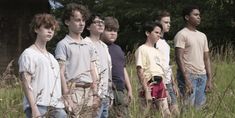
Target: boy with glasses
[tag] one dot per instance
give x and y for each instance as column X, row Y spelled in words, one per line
column 95, row 27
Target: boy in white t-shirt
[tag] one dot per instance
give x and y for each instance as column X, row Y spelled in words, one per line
column 162, row 46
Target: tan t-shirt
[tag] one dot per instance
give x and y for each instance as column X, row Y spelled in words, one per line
column 148, row 59
column 194, row 44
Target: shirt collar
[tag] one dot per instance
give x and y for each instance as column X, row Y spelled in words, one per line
column 72, row 41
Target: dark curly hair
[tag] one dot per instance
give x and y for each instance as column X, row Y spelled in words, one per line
column 71, row 7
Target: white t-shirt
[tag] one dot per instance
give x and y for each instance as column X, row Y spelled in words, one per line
column 164, row 48
column 45, row 81
column 104, row 66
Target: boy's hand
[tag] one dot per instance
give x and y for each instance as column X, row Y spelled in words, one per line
column 208, row 86
column 96, row 102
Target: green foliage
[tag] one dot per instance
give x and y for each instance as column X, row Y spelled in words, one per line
column 217, row 18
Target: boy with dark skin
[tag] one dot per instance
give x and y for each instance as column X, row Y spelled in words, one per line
column 192, row 57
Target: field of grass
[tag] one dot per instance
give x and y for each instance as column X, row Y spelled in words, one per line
column 220, row 102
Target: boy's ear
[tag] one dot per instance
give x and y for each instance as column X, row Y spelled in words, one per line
column 36, row 30
column 147, row 33
column 66, row 22
column 186, row 17
column 88, row 28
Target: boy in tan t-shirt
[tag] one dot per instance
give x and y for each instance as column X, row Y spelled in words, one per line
column 192, row 57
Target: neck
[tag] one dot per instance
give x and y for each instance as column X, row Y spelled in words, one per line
column 149, row 43
column 41, row 45
column 191, row 27
column 162, row 35
column 95, row 38
column 76, row 37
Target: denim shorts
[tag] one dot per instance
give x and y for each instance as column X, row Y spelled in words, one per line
column 198, row 97
column 104, row 108
column 172, row 94
column 55, row 112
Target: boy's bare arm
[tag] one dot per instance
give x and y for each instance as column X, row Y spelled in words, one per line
column 94, row 75
column 140, row 74
column 28, row 90
column 65, row 89
column 208, row 71
column 128, row 84
column 181, row 66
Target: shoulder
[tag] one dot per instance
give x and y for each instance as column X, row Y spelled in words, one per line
column 181, row 35
column 141, row 48
column 87, row 40
column 201, row 33
column 28, row 52
column 182, row 32
column 116, row 46
column 103, row 44
column 63, row 42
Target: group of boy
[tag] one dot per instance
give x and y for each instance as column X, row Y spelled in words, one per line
column 158, row 87
column 92, row 72
column 90, row 64
column 89, row 75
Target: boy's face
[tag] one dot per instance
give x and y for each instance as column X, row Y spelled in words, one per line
column 194, row 17
column 165, row 21
column 97, row 26
column 44, row 33
column 154, row 35
column 76, row 23
column 109, row 35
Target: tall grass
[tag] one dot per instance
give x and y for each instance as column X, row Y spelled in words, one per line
column 220, row 102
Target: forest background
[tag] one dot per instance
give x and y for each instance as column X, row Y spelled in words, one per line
column 218, row 23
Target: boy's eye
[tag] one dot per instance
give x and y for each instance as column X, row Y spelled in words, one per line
column 111, row 29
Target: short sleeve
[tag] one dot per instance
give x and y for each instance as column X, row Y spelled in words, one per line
column 60, row 51
column 180, row 40
column 93, row 53
column 26, row 63
column 139, row 57
column 206, row 49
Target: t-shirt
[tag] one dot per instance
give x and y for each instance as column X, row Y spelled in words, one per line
column 45, row 80
column 164, row 48
column 148, row 58
column 78, row 57
column 104, row 66
column 118, row 65
column 194, row 44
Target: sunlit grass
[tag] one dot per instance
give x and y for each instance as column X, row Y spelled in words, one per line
column 219, row 102
column 11, row 102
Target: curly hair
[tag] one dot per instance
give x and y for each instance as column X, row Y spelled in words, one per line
column 43, row 19
column 71, row 7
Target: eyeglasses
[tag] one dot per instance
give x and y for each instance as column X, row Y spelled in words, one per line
column 98, row 22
